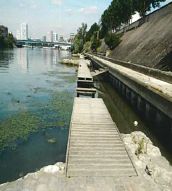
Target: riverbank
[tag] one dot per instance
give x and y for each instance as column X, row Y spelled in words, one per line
column 149, row 162
column 154, row 173
column 74, row 61
column 70, row 62
column 149, row 44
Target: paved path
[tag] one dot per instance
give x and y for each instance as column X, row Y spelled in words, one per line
column 95, row 147
column 160, row 87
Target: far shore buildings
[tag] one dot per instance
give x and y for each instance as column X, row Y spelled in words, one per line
column 50, row 36
column 72, row 36
column 23, row 33
column 44, row 38
column 55, row 37
column 61, row 39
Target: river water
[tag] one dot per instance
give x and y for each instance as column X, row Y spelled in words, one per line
column 124, row 116
column 36, row 100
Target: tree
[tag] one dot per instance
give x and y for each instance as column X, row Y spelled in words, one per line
column 103, row 31
column 95, row 41
column 142, row 6
column 94, row 28
column 2, row 42
column 112, row 40
column 10, row 41
column 122, row 10
column 119, row 11
column 7, row 42
column 80, row 38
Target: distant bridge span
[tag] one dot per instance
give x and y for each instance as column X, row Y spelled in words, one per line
column 42, row 43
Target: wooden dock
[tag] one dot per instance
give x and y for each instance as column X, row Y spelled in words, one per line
column 86, row 91
column 84, row 78
column 94, row 144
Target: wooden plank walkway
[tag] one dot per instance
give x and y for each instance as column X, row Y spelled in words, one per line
column 94, row 145
column 84, row 72
column 84, row 79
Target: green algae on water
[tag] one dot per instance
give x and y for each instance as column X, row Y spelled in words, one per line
column 17, row 127
column 52, row 114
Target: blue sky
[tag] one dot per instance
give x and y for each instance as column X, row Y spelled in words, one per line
column 61, row 16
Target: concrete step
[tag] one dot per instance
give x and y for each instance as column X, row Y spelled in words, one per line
column 101, row 166
column 100, row 161
column 116, row 157
column 101, row 173
column 95, row 153
column 87, row 137
column 92, row 133
column 103, row 146
column 74, row 136
column 98, row 146
column 95, row 130
column 97, row 142
column 112, row 149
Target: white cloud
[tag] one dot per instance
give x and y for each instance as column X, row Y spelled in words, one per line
column 28, row 4
column 34, row 6
column 57, row 2
column 69, row 11
column 88, row 10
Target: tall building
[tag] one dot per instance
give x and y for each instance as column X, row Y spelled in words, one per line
column 50, row 36
column 61, row 39
column 44, row 39
column 24, row 31
column 72, row 36
column 18, row 36
column 55, row 37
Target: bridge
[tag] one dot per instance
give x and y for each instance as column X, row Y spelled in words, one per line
column 31, row 42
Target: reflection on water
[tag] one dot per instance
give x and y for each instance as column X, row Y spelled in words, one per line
column 36, row 96
column 23, row 59
column 6, row 57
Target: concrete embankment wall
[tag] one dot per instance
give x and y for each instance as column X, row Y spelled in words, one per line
column 151, row 43
column 154, row 108
column 159, row 74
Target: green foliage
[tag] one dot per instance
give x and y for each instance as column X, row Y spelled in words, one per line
column 103, row 31
column 94, row 28
column 95, row 42
column 7, row 42
column 142, row 6
column 142, row 147
column 120, row 11
column 2, row 42
column 78, row 45
column 112, row 40
column 10, row 41
column 80, row 39
column 117, row 13
column 87, row 46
